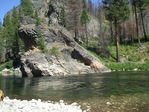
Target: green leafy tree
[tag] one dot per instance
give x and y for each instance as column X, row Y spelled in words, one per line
column 26, row 8
column 85, row 19
column 117, row 11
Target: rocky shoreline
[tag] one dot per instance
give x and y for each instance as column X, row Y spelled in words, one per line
column 15, row 105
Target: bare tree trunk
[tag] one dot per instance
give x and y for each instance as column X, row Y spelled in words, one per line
column 137, row 27
column 117, row 42
column 111, row 28
column 145, row 36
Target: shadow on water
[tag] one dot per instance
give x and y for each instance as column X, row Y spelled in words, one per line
column 94, row 90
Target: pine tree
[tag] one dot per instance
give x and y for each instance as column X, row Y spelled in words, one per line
column 63, row 17
column 134, row 4
column 84, row 19
column 38, row 22
column 15, row 42
column 8, row 35
column 142, row 5
column 26, row 8
column 117, row 11
column 9, row 30
column 2, row 56
column 40, row 43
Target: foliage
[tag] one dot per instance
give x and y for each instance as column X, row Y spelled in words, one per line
column 63, row 17
column 128, row 66
column 84, row 17
column 7, row 65
column 26, row 8
column 40, row 42
column 8, row 33
column 15, row 43
column 54, row 51
column 117, row 10
column 38, row 22
column 132, row 57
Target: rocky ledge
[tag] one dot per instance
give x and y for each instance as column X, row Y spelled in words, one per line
column 64, row 56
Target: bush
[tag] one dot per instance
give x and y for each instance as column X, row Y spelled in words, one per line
column 54, row 51
column 7, row 65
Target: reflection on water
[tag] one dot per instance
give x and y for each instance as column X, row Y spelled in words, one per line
column 77, row 88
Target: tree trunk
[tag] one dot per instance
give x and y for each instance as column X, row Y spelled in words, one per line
column 137, row 28
column 116, row 41
column 145, row 36
column 86, row 34
column 111, row 28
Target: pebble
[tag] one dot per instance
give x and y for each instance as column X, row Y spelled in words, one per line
column 14, row 105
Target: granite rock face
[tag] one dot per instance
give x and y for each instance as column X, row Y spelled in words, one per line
column 72, row 59
column 64, row 56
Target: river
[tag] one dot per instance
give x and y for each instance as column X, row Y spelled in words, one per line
column 114, row 92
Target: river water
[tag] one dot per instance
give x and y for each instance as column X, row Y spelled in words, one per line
column 114, row 92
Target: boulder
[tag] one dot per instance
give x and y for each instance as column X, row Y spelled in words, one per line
column 70, row 59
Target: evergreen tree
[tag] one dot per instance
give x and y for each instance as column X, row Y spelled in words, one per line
column 8, row 36
column 40, row 43
column 38, row 22
column 117, row 11
column 84, row 19
column 26, row 8
column 9, row 30
column 63, row 17
column 134, row 4
column 15, row 42
column 2, row 56
column 142, row 5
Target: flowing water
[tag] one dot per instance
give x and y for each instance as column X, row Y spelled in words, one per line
column 113, row 92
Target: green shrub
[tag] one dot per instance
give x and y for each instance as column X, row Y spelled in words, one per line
column 7, row 65
column 54, row 51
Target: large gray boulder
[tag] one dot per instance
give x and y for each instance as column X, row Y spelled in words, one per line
column 70, row 59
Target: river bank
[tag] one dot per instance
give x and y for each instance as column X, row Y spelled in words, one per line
column 15, row 105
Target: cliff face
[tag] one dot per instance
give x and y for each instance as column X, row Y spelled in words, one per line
column 64, row 56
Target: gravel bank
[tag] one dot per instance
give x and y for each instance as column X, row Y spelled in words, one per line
column 15, row 105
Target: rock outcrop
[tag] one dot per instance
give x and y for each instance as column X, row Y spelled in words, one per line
column 64, row 56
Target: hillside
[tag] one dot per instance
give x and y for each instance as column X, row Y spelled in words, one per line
column 132, row 57
column 41, row 46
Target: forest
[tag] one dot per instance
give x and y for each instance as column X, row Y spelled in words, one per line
column 122, row 43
